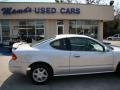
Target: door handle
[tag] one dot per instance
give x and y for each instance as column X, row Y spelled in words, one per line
column 77, row 56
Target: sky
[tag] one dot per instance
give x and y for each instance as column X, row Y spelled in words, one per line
column 105, row 2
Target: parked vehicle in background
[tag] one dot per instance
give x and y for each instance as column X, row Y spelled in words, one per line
column 63, row 55
column 114, row 37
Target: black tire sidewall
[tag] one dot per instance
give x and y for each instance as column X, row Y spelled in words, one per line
column 118, row 70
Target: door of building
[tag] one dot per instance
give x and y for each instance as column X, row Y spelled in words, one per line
column 0, row 34
column 60, row 29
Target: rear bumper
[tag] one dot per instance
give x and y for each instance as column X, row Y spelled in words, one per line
column 16, row 67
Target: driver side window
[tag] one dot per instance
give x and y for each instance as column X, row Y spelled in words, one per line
column 78, row 44
column 85, row 44
column 94, row 46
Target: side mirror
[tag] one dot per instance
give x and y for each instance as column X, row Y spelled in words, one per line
column 106, row 49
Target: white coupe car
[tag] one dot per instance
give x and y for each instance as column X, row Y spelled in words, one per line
column 114, row 37
column 63, row 55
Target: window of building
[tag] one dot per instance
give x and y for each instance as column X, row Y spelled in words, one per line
column 4, row 31
column 33, row 29
column 72, row 27
column 60, row 22
column 84, row 27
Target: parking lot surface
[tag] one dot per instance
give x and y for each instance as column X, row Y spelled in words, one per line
column 9, row 81
column 114, row 43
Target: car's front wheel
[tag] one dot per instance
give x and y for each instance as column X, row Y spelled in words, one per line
column 40, row 74
column 118, row 69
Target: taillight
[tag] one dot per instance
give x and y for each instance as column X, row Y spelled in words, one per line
column 14, row 57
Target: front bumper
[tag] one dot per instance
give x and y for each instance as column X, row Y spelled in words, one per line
column 16, row 67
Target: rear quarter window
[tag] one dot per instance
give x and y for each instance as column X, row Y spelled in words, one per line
column 59, row 44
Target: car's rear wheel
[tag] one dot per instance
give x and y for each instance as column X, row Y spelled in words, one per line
column 40, row 74
column 110, row 39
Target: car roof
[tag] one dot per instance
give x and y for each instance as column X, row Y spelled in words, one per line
column 70, row 35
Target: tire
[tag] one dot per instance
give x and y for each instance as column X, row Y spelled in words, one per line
column 40, row 74
column 118, row 69
column 110, row 39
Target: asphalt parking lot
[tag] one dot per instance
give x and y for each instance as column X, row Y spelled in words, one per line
column 114, row 43
column 9, row 81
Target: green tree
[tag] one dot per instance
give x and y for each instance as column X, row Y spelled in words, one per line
column 111, row 28
column 66, row 1
column 57, row 1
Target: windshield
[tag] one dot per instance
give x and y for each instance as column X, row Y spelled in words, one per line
column 116, row 35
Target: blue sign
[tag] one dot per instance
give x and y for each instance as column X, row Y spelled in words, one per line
column 70, row 10
column 45, row 10
column 10, row 10
column 41, row 10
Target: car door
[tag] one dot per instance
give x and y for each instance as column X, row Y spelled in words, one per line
column 59, row 55
column 115, row 37
column 119, row 37
column 89, row 56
